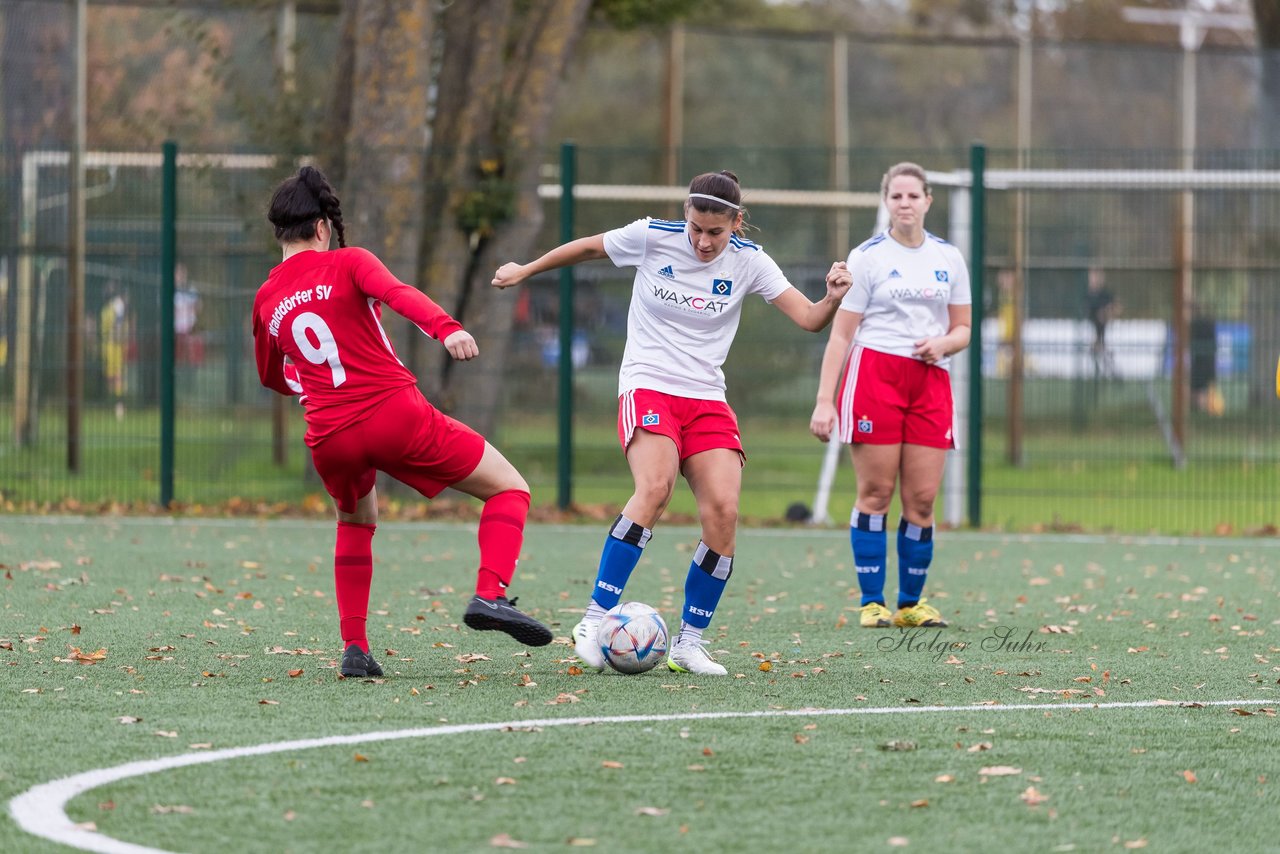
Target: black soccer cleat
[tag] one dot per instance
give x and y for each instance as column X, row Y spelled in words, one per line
column 489, row 614
column 359, row 664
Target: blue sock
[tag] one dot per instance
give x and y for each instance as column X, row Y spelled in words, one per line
column 621, row 553
column 866, row 534
column 708, row 574
column 915, row 553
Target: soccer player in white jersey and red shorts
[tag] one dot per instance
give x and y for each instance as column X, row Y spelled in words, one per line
column 318, row 334
column 886, row 391
column 692, row 278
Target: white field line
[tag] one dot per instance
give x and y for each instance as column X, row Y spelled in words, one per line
column 963, row 536
column 41, row 810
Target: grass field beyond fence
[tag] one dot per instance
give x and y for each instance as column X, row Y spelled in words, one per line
column 1091, row 694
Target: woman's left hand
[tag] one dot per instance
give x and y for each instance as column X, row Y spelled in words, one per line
column 930, row 350
column 461, row 346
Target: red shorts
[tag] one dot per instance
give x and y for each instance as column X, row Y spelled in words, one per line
column 694, row 425
column 404, row 436
column 894, row 400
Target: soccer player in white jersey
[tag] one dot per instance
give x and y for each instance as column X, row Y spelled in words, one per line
column 886, row 391
column 692, row 277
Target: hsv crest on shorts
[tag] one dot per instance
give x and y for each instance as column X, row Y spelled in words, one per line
column 864, row 425
column 649, row 420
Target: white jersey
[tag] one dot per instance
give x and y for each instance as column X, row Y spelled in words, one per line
column 684, row 312
column 903, row 293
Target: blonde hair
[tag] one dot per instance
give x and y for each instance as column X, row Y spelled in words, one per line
column 905, row 168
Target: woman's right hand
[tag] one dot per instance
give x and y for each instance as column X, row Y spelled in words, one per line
column 509, row 275
column 823, row 421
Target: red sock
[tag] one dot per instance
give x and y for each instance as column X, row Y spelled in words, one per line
column 352, row 576
column 501, row 535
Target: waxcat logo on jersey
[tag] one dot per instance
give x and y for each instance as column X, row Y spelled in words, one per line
column 689, row 301
column 667, row 273
column 864, row 424
column 721, row 287
column 940, row 275
column 920, row 294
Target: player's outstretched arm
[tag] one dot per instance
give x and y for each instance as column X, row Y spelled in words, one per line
column 565, row 255
column 814, row 316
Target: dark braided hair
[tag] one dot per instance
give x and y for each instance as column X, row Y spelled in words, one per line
column 302, row 200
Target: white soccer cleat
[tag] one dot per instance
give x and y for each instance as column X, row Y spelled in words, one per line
column 586, row 644
column 690, row 656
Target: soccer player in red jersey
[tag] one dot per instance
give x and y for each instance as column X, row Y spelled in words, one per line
column 318, row 334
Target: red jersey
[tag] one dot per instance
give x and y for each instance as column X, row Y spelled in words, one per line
column 317, row 332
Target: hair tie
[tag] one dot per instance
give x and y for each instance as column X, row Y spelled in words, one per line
column 716, row 199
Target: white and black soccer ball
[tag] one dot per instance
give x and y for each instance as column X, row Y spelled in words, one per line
column 633, row 637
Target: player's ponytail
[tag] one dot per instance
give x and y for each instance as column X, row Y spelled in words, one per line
column 302, row 200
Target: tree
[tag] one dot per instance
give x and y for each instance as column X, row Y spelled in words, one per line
column 481, row 77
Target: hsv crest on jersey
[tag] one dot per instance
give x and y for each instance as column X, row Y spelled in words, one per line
column 940, row 275
column 721, row 287
column 667, row 272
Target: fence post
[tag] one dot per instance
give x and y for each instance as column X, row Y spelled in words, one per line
column 977, row 261
column 568, row 164
column 168, row 258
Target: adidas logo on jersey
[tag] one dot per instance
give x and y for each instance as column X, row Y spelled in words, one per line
column 667, row 272
column 894, row 274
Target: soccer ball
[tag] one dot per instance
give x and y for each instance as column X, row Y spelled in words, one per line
column 633, row 637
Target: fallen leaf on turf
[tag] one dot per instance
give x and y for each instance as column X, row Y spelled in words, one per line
column 75, row 630
column 202, row 745
column 766, row 666
column 999, row 771
column 707, row 751
column 563, row 698
column 505, row 781
column 504, row 840
column 899, row 841
column 609, row 763
column 360, row 757
column 268, row 702
column 1057, row 630
column 1033, row 797
column 128, row 719
column 1242, row 712
column 86, row 657
column 980, row 746
column 1189, row 776
column 166, row 734
column 290, row 815
column 160, row 809
column 654, row 811
column 294, row 674
column 1135, row 843
column 899, row 746
column 580, row 842
column 944, row 778
column 923, row 802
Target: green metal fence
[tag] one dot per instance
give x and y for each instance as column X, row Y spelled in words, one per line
column 1069, row 436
